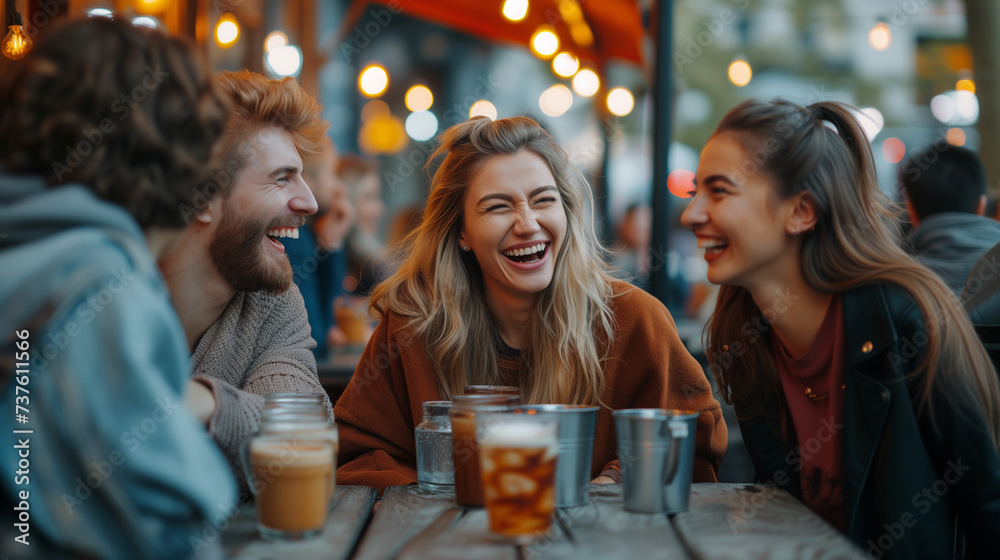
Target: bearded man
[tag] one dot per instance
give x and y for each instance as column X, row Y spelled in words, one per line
column 229, row 278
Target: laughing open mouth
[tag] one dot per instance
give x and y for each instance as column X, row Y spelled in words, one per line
column 527, row 255
column 712, row 246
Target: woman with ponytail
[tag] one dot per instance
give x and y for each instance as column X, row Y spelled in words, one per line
column 859, row 383
column 504, row 283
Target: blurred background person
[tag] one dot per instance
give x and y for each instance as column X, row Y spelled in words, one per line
column 318, row 257
column 88, row 200
column 945, row 192
column 635, row 257
column 366, row 251
column 631, row 255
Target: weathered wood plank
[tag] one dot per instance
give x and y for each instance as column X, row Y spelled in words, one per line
column 603, row 529
column 753, row 521
column 351, row 509
column 462, row 535
column 404, row 512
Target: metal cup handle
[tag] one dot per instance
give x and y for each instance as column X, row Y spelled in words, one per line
column 678, row 430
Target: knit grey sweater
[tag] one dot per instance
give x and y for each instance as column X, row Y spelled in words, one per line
column 259, row 345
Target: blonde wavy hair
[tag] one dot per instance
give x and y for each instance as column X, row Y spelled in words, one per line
column 260, row 102
column 857, row 240
column 439, row 288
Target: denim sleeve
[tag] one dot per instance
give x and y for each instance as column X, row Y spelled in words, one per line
column 119, row 467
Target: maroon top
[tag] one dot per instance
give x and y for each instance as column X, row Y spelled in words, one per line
column 819, row 422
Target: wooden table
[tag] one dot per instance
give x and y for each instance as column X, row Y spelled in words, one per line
column 738, row 521
column 351, row 509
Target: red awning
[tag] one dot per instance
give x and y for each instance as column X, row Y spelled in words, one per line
column 595, row 30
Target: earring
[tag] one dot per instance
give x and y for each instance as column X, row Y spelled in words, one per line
column 465, row 248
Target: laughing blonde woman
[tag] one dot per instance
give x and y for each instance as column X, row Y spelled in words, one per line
column 504, row 283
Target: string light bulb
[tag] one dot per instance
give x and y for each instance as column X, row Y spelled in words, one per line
column 16, row 44
column 227, row 30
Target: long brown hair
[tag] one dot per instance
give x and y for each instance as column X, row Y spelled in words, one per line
column 439, row 288
column 857, row 240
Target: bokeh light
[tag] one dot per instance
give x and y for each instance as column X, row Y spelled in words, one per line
column 680, row 182
column 620, row 101
column 275, row 40
column 384, row 134
column 515, row 10
column 373, row 80
column 421, row 125
column 227, row 30
column 955, row 136
column 374, row 109
column 483, row 108
column 740, row 72
column 565, row 64
column 146, row 21
column 586, row 83
column 871, row 120
column 880, row 36
column 285, row 61
column 893, row 150
column 966, row 85
column 544, row 42
column 956, row 107
column 419, row 98
column 556, row 100
column 151, row 6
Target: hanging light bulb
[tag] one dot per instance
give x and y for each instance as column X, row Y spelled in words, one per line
column 16, row 44
column 227, row 30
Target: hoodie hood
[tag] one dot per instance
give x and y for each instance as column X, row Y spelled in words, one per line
column 42, row 232
column 955, row 235
column 950, row 243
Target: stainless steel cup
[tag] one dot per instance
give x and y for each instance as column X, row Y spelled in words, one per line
column 656, row 450
column 576, row 449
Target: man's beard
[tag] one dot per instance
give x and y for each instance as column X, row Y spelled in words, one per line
column 237, row 253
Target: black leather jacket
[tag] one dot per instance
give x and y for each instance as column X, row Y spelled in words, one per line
column 909, row 491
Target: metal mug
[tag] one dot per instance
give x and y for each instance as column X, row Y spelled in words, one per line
column 656, row 450
column 576, row 449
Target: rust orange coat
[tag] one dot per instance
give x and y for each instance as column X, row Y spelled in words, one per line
column 647, row 367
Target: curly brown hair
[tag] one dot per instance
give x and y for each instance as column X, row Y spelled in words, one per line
column 130, row 112
column 260, row 102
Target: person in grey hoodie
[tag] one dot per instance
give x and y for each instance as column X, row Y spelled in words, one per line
column 945, row 191
column 107, row 130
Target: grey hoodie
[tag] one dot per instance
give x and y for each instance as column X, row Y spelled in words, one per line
column 118, row 467
column 950, row 243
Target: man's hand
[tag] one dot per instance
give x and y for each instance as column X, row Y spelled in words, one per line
column 200, row 400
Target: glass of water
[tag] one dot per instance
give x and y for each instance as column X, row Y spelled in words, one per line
column 435, row 463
